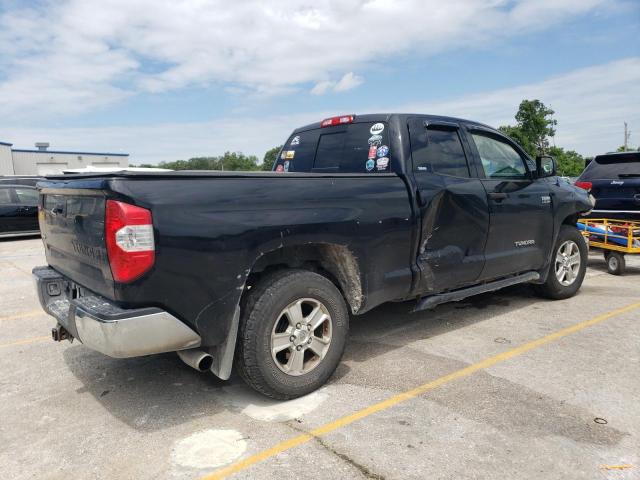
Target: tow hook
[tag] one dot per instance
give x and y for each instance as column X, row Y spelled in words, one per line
column 60, row 333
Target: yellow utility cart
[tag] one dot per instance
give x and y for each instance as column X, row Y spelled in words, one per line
column 615, row 237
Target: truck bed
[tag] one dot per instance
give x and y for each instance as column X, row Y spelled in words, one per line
column 212, row 227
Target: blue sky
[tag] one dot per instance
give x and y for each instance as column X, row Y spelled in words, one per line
column 164, row 81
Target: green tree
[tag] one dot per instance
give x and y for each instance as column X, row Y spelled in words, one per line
column 516, row 133
column 270, row 158
column 570, row 163
column 238, row 162
column 535, row 124
column 230, row 161
column 629, row 149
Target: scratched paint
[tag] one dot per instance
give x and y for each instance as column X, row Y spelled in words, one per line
column 208, row 449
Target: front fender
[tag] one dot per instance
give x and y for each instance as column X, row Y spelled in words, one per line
column 569, row 203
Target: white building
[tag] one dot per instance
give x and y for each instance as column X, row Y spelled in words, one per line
column 43, row 161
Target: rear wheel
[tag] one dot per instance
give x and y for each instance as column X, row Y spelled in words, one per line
column 292, row 334
column 615, row 263
column 568, row 265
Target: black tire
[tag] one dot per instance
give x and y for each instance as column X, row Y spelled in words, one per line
column 616, row 263
column 266, row 300
column 552, row 288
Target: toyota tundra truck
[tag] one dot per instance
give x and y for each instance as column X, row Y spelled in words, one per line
column 261, row 270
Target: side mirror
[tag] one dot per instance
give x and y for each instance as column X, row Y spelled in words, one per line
column 546, row 166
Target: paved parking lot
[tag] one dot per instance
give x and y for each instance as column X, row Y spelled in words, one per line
column 499, row 386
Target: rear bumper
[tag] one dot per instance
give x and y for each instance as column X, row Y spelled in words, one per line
column 615, row 214
column 104, row 326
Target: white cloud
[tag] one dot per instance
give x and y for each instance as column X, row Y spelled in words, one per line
column 347, row 82
column 591, row 104
column 321, row 88
column 77, row 55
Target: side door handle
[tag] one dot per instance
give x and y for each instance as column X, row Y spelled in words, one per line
column 497, row 196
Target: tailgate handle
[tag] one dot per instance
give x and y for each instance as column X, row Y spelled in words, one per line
column 497, row 196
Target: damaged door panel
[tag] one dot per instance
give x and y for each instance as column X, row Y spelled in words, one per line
column 453, row 208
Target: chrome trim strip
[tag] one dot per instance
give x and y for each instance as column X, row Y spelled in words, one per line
column 26, row 233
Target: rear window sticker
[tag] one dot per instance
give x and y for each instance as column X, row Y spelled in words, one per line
column 383, row 151
column 279, row 168
column 286, row 165
column 290, row 154
column 372, row 152
column 370, row 164
column 382, row 163
column 377, row 128
column 295, row 141
column 375, row 140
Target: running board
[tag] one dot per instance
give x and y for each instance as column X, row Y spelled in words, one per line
column 432, row 301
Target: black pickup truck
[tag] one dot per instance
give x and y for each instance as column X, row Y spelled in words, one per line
column 261, row 269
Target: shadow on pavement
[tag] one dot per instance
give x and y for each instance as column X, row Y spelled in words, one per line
column 158, row 392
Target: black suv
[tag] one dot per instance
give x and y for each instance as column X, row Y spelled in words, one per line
column 614, row 180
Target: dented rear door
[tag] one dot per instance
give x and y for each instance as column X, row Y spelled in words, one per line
column 453, row 207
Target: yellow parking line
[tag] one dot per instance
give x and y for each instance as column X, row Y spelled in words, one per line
column 408, row 395
column 26, row 341
column 616, row 467
column 18, row 316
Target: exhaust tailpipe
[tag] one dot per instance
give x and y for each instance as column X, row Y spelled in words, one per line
column 196, row 358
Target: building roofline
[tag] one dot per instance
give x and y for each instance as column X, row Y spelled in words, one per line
column 70, row 153
column 6, row 144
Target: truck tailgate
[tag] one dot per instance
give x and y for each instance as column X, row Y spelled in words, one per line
column 72, row 225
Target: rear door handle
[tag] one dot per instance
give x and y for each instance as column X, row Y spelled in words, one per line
column 497, row 196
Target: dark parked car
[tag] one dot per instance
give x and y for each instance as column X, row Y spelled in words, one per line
column 265, row 267
column 18, row 210
column 614, row 180
column 30, row 180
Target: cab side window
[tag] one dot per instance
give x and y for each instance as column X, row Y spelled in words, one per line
column 27, row 196
column 499, row 159
column 438, row 149
column 5, row 196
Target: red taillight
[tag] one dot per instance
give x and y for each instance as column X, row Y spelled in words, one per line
column 584, row 185
column 129, row 236
column 330, row 122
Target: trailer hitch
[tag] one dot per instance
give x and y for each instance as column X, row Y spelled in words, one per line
column 59, row 333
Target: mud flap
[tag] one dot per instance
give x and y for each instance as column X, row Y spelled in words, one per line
column 223, row 354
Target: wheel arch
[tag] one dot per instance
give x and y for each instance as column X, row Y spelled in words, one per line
column 335, row 262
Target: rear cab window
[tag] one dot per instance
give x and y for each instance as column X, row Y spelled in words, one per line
column 615, row 166
column 353, row 148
